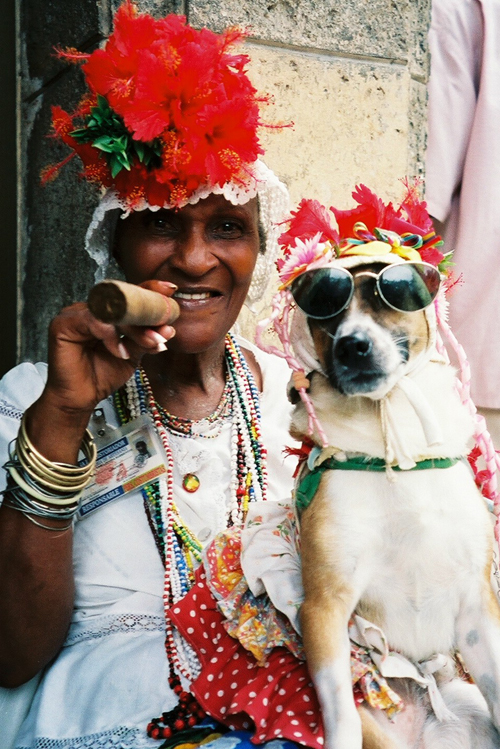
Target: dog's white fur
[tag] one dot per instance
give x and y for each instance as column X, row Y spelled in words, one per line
column 411, row 554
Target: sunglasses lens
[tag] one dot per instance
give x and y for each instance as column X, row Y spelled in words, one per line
column 409, row 287
column 324, row 292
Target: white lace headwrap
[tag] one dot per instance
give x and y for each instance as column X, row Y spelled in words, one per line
column 273, row 207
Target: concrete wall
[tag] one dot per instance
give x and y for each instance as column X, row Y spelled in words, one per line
column 350, row 74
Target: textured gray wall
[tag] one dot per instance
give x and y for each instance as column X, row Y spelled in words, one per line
column 371, row 54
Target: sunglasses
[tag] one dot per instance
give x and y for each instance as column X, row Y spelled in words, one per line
column 405, row 287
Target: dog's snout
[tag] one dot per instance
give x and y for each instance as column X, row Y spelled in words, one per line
column 351, row 348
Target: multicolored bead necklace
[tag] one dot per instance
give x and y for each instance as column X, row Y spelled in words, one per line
column 179, row 548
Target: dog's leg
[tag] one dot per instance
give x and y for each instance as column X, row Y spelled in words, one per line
column 328, row 603
column 478, row 639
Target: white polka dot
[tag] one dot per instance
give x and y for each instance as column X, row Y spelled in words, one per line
column 253, row 694
column 277, row 731
column 261, row 736
column 236, row 671
column 194, row 596
column 297, row 734
column 321, row 740
column 207, row 695
column 210, row 677
column 263, row 723
column 306, row 698
column 234, row 685
column 279, row 708
column 294, row 722
column 270, row 678
column 192, row 613
column 214, row 659
column 203, row 651
column 265, row 702
column 249, row 666
column 281, row 660
column 302, row 678
column 223, row 710
column 288, row 675
column 313, row 726
column 200, row 585
column 290, row 712
column 205, row 635
column 177, row 610
column 203, row 606
column 236, row 656
column 282, row 691
column 190, row 630
column 220, row 649
column 309, row 712
column 213, row 625
column 220, row 693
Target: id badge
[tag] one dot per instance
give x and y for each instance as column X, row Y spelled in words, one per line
column 128, row 458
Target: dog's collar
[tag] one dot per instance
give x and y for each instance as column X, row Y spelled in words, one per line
column 308, row 486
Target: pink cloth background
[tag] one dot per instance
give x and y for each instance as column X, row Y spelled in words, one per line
column 463, row 174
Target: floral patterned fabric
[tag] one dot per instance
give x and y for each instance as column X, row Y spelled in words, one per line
column 253, row 670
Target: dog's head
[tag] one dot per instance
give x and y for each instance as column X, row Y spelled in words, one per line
column 366, row 348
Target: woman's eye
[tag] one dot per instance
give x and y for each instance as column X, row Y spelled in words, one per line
column 162, row 224
column 229, row 229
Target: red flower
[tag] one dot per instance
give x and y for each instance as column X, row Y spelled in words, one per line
column 310, row 218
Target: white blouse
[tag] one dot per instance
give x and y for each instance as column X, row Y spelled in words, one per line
column 111, row 676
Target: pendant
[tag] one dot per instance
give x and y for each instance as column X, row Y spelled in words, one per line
column 191, row 482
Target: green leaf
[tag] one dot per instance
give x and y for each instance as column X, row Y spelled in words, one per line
column 122, row 158
column 115, row 166
column 104, row 143
column 140, row 149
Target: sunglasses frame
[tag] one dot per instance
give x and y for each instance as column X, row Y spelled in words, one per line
column 371, row 274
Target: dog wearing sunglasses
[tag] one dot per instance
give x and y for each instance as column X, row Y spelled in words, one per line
column 407, row 547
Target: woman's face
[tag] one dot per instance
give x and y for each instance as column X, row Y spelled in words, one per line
column 208, row 250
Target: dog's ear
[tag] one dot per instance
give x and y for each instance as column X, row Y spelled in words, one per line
column 298, row 380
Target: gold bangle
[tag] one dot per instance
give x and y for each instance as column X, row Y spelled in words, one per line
column 61, row 478
column 88, row 448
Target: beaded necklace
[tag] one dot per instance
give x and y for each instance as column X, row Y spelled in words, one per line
column 179, row 548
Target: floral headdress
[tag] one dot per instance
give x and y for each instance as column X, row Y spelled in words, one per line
column 169, row 109
column 371, row 232
column 384, row 233
column 170, row 117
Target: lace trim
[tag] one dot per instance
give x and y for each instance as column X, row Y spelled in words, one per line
column 128, row 623
column 7, row 409
column 119, row 738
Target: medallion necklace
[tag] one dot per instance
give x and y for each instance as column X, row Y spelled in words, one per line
column 178, row 546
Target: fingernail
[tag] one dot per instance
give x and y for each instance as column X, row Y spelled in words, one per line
column 169, row 284
column 156, row 337
column 161, row 347
column 123, row 351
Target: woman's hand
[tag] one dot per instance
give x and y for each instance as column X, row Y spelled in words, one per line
column 88, row 360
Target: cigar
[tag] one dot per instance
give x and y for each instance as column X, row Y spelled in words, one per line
column 123, row 303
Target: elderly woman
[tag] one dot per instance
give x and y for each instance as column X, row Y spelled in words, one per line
column 170, row 130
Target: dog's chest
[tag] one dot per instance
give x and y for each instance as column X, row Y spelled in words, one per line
column 411, row 548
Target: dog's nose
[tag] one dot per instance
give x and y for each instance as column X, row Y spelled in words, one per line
column 351, row 348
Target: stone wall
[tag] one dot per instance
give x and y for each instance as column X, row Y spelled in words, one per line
column 351, row 75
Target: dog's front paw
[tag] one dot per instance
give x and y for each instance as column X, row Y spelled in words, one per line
column 343, row 731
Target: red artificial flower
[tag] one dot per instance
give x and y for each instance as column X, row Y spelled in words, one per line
column 309, row 219
column 180, row 91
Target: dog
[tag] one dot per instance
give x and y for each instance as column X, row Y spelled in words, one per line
column 408, row 550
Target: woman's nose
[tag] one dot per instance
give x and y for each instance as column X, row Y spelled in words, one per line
column 193, row 253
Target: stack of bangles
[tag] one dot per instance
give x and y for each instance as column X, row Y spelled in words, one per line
column 40, row 488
